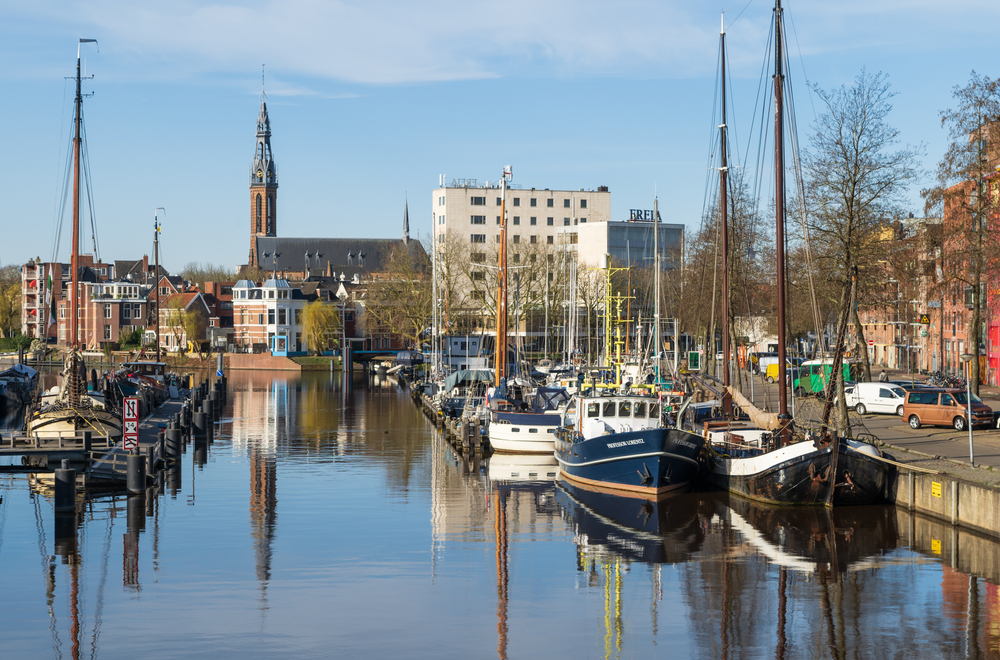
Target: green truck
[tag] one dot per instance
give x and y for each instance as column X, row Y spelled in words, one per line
column 815, row 374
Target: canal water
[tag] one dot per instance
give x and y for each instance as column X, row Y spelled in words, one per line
column 331, row 521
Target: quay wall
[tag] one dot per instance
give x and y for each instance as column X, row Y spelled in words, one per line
column 261, row 362
column 963, row 550
column 948, row 499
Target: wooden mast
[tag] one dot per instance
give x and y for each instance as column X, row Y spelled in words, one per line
column 785, row 434
column 727, row 399
column 500, row 363
column 74, row 258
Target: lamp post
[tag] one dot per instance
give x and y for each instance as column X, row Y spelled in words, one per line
column 967, row 359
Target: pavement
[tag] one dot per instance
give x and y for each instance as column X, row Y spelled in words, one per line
column 938, row 448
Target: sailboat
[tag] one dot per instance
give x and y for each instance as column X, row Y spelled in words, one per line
column 765, row 459
column 619, row 436
column 74, row 411
column 516, row 426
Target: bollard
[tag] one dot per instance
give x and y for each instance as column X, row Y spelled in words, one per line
column 136, row 512
column 198, row 426
column 136, row 476
column 65, row 487
column 216, row 398
column 173, row 479
column 200, row 453
column 87, row 441
column 173, row 445
column 206, row 405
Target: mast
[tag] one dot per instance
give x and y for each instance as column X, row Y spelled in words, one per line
column 75, row 254
column 500, row 364
column 657, row 336
column 727, row 399
column 156, row 277
column 784, row 435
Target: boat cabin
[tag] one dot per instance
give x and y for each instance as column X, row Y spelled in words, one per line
column 155, row 370
column 616, row 414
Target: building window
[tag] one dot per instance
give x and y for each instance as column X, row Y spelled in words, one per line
column 583, row 219
column 550, row 203
column 440, row 201
column 258, row 213
column 534, row 220
column 549, row 221
column 440, row 238
column 260, row 319
column 478, row 258
column 517, row 201
column 534, row 239
column 583, row 203
column 573, row 239
column 441, row 219
column 477, row 275
column 498, row 219
column 126, row 311
column 533, row 258
column 517, row 238
column 270, row 317
column 107, row 332
column 548, row 239
column 565, row 203
column 479, row 219
column 348, row 316
column 551, row 276
column 565, row 222
column 107, row 311
column 478, row 201
column 517, row 258
column 282, row 317
column 478, row 238
column 534, row 202
column 499, row 201
column 517, row 219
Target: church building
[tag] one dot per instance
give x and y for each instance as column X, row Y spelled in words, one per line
column 306, row 259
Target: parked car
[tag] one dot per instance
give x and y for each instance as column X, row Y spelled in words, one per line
column 771, row 374
column 876, row 398
column 944, row 407
column 910, row 385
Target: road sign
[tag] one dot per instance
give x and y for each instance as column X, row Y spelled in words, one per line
column 130, row 417
column 925, row 319
column 694, row 360
column 218, row 373
column 871, row 342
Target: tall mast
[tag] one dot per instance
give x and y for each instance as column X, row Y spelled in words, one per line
column 156, row 276
column 501, row 348
column 75, row 254
column 657, row 335
column 779, row 213
column 727, row 400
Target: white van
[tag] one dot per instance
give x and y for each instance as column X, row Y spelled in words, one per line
column 875, row 398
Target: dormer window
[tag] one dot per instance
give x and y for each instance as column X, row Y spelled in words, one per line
column 350, row 258
column 361, row 259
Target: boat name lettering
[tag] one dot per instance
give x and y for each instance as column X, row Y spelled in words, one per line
column 624, row 443
column 685, row 443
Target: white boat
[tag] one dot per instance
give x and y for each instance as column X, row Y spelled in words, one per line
column 514, row 429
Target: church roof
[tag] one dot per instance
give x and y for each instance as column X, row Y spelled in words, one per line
column 343, row 254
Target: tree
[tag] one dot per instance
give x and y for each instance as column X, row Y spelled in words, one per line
column 399, row 298
column 194, row 323
column 320, row 323
column 173, row 321
column 198, row 273
column 966, row 194
column 856, row 180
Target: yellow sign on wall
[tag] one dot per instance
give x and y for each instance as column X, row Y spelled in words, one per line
column 936, row 546
column 935, row 489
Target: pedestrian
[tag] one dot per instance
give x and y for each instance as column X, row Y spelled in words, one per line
column 883, row 377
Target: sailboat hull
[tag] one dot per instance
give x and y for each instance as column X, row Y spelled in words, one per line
column 58, row 422
column 861, row 477
column 795, row 474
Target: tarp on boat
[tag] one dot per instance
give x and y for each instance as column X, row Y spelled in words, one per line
column 549, row 398
column 464, row 377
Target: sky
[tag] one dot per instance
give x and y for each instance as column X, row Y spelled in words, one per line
column 370, row 102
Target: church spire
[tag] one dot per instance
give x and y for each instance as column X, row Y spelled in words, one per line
column 406, row 221
column 263, row 182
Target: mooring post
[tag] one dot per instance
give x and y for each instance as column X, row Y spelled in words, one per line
column 206, row 406
column 173, row 444
column 87, row 440
column 135, row 478
column 65, row 488
column 198, row 425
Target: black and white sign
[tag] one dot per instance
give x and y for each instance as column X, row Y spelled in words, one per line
column 130, row 417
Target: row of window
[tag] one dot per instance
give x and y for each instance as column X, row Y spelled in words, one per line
column 516, row 238
column 481, row 220
column 550, row 203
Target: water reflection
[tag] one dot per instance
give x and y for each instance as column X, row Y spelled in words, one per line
column 384, row 540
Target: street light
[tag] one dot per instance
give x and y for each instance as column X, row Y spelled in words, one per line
column 967, row 359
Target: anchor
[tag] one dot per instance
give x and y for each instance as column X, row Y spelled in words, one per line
column 645, row 477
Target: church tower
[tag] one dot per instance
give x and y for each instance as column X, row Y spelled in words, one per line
column 263, row 185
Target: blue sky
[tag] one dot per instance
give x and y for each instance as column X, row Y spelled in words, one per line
column 371, row 101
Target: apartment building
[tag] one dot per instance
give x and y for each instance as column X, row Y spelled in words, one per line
column 268, row 317
column 470, row 210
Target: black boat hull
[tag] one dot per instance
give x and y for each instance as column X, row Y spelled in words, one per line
column 861, row 478
column 797, row 474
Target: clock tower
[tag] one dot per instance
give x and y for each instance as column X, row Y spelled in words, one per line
column 263, row 186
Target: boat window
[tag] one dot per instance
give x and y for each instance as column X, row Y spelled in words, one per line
column 625, row 409
column 551, row 431
column 609, row 409
column 514, row 429
column 532, row 430
column 654, row 410
column 593, row 409
column 640, row 409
